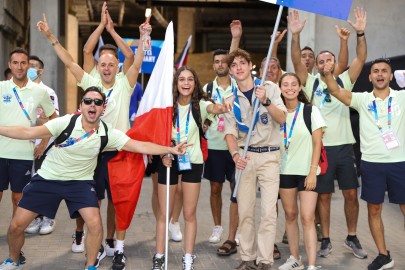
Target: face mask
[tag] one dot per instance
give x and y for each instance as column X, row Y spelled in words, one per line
column 32, row 73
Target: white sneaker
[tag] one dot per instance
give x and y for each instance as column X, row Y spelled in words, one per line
column 216, row 234
column 34, row 226
column 109, row 249
column 78, row 244
column 188, row 261
column 237, row 238
column 312, row 267
column 47, row 226
column 8, row 264
column 292, row 264
column 175, row 231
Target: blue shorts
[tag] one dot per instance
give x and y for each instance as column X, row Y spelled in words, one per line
column 44, row 196
column 376, row 178
column 187, row 176
column 341, row 167
column 219, row 166
column 16, row 172
column 101, row 175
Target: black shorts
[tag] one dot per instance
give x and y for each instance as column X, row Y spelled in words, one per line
column 294, row 181
column 101, row 175
column 341, row 167
column 16, row 172
column 187, row 176
column 153, row 167
column 219, row 166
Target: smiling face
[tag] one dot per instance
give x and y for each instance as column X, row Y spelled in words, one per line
column 322, row 59
column 240, row 68
column 19, row 66
column 380, row 75
column 108, row 68
column 91, row 113
column 186, row 83
column 290, row 87
column 273, row 71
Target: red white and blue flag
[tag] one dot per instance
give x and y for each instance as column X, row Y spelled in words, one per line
column 182, row 59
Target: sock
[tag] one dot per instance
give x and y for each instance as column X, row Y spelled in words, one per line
column 187, row 256
column 351, row 237
column 120, row 246
column 159, row 255
column 110, row 242
column 326, row 239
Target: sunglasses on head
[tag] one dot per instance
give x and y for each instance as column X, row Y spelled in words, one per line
column 97, row 101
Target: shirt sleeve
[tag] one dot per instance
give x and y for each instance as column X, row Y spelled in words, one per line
column 116, row 140
column 57, row 125
column 356, row 100
column 317, row 120
column 46, row 104
column 87, row 81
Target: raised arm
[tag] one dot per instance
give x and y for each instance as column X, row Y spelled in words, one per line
column 236, row 31
column 154, row 149
column 343, row 58
column 296, row 27
column 88, row 58
column 25, row 133
column 341, row 94
column 277, row 40
column 62, row 53
column 124, row 47
column 361, row 50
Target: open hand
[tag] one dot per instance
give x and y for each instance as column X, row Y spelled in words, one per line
column 294, row 22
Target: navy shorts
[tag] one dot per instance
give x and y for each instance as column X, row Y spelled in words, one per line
column 294, row 181
column 341, row 167
column 187, row 176
column 376, row 178
column 44, row 196
column 219, row 166
column 101, row 175
column 16, row 172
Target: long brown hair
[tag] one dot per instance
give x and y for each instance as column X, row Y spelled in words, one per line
column 301, row 95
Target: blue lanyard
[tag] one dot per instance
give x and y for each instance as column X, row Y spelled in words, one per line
column 288, row 140
column 327, row 95
column 71, row 141
column 106, row 101
column 21, row 104
column 377, row 121
column 219, row 96
column 178, row 122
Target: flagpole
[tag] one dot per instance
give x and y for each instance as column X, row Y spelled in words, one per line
column 273, row 37
column 167, row 216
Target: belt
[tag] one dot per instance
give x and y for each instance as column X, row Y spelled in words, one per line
column 261, row 149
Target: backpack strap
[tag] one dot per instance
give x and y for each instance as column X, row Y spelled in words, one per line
column 197, row 121
column 210, row 86
column 340, row 82
column 307, row 117
column 316, row 84
column 65, row 133
column 104, row 139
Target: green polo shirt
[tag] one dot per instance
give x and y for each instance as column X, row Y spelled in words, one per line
column 32, row 96
column 78, row 161
column 372, row 146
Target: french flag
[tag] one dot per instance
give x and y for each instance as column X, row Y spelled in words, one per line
column 153, row 123
column 338, row 9
column 182, row 59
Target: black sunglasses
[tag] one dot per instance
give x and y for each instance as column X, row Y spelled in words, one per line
column 97, row 101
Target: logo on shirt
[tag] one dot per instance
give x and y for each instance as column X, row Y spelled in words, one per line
column 7, row 98
column 370, row 107
column 318, row 92
column 264, row 118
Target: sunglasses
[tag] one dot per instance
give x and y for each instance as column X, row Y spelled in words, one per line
column 97, row 101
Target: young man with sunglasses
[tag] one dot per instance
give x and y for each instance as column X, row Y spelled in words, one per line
column 338, row 137
column 118, row 91
column 71, row 166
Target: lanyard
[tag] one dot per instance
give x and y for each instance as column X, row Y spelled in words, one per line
column 21, row 104
column 288, row 140
column 377, row 121
column 219, row 96
column 71, row 141
column 106, row 101
column 178, row 122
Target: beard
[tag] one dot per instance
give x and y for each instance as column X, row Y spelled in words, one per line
column 223, row 73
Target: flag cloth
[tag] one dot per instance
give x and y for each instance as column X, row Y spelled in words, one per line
column 100, row 43
column 338, row 9
column 153, row 123
column 182, row 59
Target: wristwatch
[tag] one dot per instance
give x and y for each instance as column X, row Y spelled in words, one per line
column 267, row 102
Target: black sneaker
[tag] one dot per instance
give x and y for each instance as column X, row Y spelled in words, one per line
column 101, row 255
column 22, row 258
column 158, row 263
column 381, row 262
column 118, row 261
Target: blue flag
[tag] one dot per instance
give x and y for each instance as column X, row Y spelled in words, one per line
column 338, row 9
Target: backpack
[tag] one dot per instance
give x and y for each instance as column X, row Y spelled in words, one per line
column 323, row 160
column 210, row 86
column 203, row 140
column 316, row 84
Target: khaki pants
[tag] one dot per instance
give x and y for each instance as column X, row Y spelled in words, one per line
column 264, row 169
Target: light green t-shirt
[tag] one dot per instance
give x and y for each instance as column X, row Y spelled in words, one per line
column 117, row 110
column 372, row 146
column 299, row 158
column 193, row 133
column 216, row 139
column 32, row 96
column 95, row 74
column 335, row 113
column 78, row 161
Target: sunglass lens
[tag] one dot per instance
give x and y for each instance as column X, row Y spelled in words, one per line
column 98, row 102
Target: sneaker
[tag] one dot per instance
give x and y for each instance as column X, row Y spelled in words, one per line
column 100, row 256
column 34, row 226
column 188, row 261
column 285, row 239
column 158, row 263
column 216, row 234
column 237, row 238
column 356, row 248
column 380, row 262
column 91, row 268
column 8, row 264
column 118, row 261
column 312, row 267
column 318, row 232
column 264, row 266
column 292, row 263
column 247, row 265
column 22, row 258
column 78, row 243
column 47, row 226
column 326, row 249
column 109, row 247
column 175, row 231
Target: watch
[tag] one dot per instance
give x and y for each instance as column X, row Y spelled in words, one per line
column 267, row 102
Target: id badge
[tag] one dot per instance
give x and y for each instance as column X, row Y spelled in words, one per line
column 390, row 140
column 184, row 162
column 221, row 124
column 283, row 162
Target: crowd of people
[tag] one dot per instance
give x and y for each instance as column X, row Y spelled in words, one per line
column 293, row 115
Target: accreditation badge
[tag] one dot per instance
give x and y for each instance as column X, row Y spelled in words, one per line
column 184, row 162
column 221, row 124
column 390, row 139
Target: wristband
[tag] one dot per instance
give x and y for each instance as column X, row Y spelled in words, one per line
column 54, row 43
column 360, row 35
column 234, row 153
